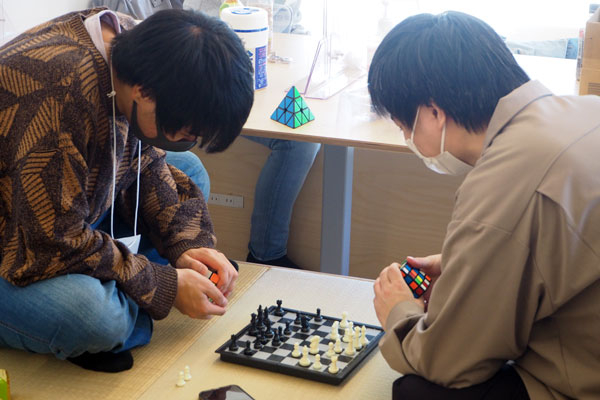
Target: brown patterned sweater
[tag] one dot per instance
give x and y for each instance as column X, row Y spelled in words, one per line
column 56, row 173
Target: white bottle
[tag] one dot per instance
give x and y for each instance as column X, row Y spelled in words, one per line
column 252, row 26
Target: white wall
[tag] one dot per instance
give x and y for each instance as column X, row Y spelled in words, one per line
column 20, row 15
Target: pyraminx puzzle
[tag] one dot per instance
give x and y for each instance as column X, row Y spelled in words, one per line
column 293, row 111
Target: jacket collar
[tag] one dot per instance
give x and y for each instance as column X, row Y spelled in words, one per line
column 511, row 105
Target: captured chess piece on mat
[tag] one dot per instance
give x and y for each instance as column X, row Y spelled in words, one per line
column 416, row 280
column 293, row 110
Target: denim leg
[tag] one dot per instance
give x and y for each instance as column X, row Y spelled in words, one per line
column 278, row 186
column 190, row 164
column 69, row 315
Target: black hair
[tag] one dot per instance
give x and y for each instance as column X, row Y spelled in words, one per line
column 196, row 70
column 452, row 59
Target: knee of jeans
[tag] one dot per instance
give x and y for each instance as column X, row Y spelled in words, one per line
column 102, row 317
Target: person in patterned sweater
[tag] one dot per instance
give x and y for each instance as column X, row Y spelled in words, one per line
column 78, row 94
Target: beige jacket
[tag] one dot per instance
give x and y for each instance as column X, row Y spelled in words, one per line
column 521, row 258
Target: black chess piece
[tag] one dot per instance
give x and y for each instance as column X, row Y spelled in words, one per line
column 258, row 344
column 233, row 345
column 265, row 314
column 287, row 331
column 252, row 331
column 280, row 331
column 269, row 331
column 248, row 351
column 298, row 318
column 263, row 339
column 276, row 342
column 318, row 317
column 304, row 325
column 259, row 320
column 278, row 311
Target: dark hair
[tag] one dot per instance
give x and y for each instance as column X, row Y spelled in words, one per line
column 195, row 68
column 452, row 59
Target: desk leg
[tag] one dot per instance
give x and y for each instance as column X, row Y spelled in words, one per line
column 338, row 163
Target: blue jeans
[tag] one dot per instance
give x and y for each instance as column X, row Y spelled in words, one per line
column 278, row 186
column 71, row 314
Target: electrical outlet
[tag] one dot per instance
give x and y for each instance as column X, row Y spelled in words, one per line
column 226, row 200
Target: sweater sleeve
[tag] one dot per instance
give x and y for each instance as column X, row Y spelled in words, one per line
column 173, row 211
column 480, row 311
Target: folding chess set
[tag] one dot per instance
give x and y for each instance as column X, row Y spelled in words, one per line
column 301, row 344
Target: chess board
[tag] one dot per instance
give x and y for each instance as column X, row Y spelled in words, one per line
column 280, row 359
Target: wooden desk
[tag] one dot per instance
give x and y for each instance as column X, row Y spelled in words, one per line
column 340, row 133
column 299, row 290
column 339, row 137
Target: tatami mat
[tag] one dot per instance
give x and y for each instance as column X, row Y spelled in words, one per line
column 35, row 376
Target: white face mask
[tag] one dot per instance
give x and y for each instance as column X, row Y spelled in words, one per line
column 443, row 163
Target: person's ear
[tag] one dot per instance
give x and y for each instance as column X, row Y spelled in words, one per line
column 139, row 95
column 438, row 114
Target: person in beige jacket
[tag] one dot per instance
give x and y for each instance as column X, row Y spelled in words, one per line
column 514, row 308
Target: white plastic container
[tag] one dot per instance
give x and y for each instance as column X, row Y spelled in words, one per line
column 252, row 26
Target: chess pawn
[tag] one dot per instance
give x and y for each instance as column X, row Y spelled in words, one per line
column 186, row 373
column 296, row 352
column 338, row 346
column 344, row 321
column 363, row 337
column 330, row 351
column 333, row 368
column 181, row 380
column 304, row 361
column 317, row 364
column 248, row 351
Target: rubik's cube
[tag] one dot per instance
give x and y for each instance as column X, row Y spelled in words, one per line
column 292, row 111
column 416, row 280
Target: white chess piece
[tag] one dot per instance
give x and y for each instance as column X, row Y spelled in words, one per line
column 338, row 346
column 333, row 368
column 314, row 345
column 347, row 334
column 186, row 373
column 317, row 364
column 357, row 344
column 363, row 337
column 304, row 361
column 334, row 330
column 330, row 351
column 350, row 348
column 344, row 322
column 181, row 380
column 351, row 325
column 296, row 351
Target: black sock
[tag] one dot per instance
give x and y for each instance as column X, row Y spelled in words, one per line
column 104, row 361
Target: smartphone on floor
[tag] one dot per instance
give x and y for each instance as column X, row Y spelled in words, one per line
column 231, row 392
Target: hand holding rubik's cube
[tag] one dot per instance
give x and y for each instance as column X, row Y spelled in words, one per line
column 416, row 280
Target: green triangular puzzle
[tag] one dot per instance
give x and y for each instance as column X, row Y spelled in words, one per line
column 293, row 111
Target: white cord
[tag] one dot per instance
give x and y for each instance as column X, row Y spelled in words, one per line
column 137, row 190
column 112, row 95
